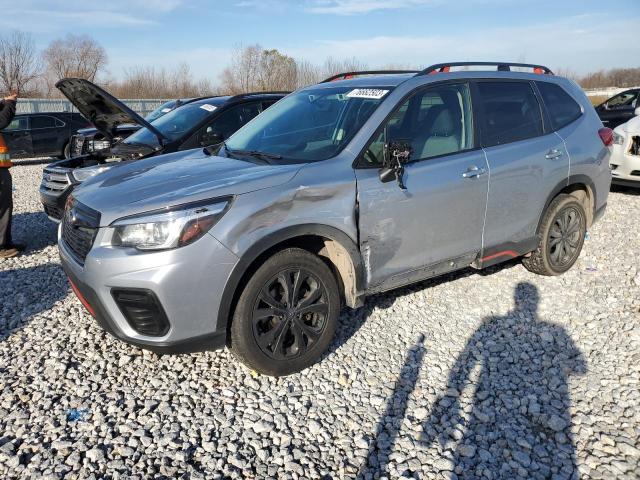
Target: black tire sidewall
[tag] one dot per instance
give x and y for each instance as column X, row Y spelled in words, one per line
column 559, row 204
column 242, row 340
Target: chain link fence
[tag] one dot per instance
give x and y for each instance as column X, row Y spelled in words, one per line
column 39, row 105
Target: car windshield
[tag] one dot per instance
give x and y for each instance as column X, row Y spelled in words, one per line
column 161, row 110
column 310, row 125
column 174, row 124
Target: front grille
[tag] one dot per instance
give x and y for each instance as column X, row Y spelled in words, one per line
column 54, row 180
column 77, row 145
column 53, row 211
column 79, row 228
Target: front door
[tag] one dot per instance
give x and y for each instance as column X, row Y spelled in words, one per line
column 47, row 135
column 619, row 109
column 440, row 215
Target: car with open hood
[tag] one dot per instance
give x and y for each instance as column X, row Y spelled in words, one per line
column 89, row 140
column 200, row 122
column 366, row 182
column 625, row 158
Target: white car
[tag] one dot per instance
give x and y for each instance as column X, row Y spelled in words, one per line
column 625, row 159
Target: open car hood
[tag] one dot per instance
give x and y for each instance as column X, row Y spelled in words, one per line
column 102, row 109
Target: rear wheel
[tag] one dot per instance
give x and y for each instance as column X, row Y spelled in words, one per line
column 287, row 314
column 562, row 231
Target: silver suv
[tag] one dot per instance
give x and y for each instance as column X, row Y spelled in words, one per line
column 363, row 183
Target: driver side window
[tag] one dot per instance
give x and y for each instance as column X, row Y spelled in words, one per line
column 234, row 118
column 435, row 121
column 625, row 99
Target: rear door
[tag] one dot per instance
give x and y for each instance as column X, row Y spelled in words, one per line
column 408, row 234
column 526, row 159
column 619, row 109
column 18, row 137
column 48, row 134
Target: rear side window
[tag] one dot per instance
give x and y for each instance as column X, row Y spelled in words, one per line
column 561, row 107
column 510, row 112
column 41, row 121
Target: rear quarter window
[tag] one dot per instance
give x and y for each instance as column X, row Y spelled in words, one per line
column 561, row 107
column 510, row 112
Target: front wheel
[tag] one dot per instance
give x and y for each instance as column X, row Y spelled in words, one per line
column 287, row 314
column 561, row 236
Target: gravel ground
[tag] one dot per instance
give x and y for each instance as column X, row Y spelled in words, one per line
column 499, row 374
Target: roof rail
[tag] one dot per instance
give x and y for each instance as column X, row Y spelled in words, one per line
column 500, row 66
column 347, row 75
column 248, row 94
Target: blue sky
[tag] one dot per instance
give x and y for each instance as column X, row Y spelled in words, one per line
column 581, row 35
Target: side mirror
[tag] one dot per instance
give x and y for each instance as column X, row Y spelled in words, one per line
column 211, row 138
column 396, row 154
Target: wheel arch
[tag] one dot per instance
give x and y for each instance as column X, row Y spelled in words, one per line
column 336, row 248
column 581, row 187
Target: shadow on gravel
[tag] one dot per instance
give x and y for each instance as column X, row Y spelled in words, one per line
column 518, row 423
column 34, row 229
column 352, row 320
column 27, row 292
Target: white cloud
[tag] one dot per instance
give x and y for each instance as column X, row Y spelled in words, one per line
column 62, row 15
column 581, row 43
column 353, row 7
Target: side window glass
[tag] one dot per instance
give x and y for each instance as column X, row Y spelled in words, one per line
column 561, row 107
column 435, row 121
column 510, row 112
column 42, row 121
column 234, row 118
column 625, row 99
column 19, row 123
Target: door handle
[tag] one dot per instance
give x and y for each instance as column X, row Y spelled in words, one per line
column 553, row 154
column 473, row 171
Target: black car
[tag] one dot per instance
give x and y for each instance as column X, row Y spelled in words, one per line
column 620, row 108
column 42, row 134
column 89, row 140
column 201, row 122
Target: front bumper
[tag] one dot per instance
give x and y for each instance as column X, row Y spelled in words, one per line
column 625, row 166
column 188, row 283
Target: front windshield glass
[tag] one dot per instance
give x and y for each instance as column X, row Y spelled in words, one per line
column 173, row 125
column 310, row 125
column 160, row 111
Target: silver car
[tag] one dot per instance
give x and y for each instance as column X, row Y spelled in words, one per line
column 363, row 183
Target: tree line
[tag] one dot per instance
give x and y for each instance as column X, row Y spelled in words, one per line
column 251, row 68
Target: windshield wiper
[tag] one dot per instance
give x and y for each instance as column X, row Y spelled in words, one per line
column 257, row 153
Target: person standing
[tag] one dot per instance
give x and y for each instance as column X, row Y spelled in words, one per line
column 7, row 247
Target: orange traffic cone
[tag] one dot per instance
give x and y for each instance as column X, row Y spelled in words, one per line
column 5, row 158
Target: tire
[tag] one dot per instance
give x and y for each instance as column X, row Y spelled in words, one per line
column 561, row 236
column 66, row 151
column 273, row 338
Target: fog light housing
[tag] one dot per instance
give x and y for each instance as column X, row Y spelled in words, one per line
column 142, row 310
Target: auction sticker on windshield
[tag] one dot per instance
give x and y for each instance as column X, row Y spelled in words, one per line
column 373, row 93
column 208, row 108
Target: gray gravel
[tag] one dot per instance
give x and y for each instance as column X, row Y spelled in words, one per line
column 500, row 375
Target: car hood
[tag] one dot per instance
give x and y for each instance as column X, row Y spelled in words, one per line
column 101, row 108
column 125, row 127
column 632, row 126
column 175, row 179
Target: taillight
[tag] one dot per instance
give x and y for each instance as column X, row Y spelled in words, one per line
column 606, row 135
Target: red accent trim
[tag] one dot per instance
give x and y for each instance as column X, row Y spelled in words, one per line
column 81, row 298
column 511, row 253
column 537, row 70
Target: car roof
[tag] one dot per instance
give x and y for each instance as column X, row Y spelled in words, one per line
column 220, row 100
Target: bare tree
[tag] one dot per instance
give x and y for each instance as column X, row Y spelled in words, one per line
column 75, row 56
column 255, row 69
column 150, row 82
column 19, row 63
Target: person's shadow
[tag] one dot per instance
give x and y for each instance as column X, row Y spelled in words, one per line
column 518, row 423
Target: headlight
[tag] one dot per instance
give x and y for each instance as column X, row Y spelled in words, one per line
column 166, row 230
column 618, row 139
column 83, row 174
